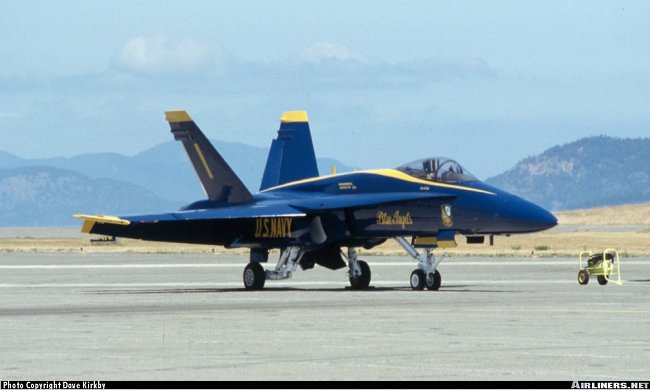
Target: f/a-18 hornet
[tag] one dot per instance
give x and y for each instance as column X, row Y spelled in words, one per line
column 311, row 218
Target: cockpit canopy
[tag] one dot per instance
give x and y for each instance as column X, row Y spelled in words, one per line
column 440, row 169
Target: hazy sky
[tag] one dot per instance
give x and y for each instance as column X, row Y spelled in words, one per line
column 485, row 82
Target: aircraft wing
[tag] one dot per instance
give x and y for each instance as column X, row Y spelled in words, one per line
column 220, row 226
column 255, row 211
column 295, row 208
column 333, row 202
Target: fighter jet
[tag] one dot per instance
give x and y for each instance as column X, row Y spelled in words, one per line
column 423, row 205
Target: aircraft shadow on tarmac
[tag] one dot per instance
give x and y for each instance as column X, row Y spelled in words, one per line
column 370, row 289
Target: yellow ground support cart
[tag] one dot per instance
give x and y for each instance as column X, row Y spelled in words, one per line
column 603, row 265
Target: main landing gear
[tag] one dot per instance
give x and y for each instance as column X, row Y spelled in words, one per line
column 255, row 276
column 426, row 275
column 359, row 272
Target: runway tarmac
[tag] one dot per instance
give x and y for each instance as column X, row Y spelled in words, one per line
column 186, row 317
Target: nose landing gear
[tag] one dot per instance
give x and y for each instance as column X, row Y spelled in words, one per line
column 420, row 280
column 426, row 275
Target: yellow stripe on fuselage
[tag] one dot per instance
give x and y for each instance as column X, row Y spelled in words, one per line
column 392, row 173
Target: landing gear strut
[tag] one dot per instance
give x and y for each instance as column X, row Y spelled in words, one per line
column 426, row 275
column 255, row 276
column 359, row 272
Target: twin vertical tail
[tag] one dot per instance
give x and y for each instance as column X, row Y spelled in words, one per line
column 292, row 154
column 219, row 181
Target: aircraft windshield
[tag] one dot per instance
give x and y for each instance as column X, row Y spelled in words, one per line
column 439, row 169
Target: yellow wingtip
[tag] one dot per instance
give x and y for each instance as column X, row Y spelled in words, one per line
column 294, row 116
column 177, row 116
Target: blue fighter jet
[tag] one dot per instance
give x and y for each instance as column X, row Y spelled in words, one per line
column 311, row 218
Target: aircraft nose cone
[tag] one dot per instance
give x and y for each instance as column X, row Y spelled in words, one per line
column 507, row 213
column 543, row 219
column 529, row 217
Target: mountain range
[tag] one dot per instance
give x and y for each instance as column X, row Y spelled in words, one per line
column 590, row 172
column 41, row 192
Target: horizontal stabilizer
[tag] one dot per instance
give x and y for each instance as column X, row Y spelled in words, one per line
column 219, row 181
column 91, row 220
column 102, row 219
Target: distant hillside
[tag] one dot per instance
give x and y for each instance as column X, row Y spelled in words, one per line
column 165, row 169
column 590, row 172
column 7, row 159
column 42, row 196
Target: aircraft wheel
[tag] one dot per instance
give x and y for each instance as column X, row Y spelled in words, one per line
column 418, row 279
column 602, row 280
column 433, row 281
column 254, row 276
column 583, row 277
column 362, row 281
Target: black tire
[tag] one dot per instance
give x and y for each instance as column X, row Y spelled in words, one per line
column 254, row 276
column 602, row 280
column 363, row 281
column 433, row 281
column 583, row 277
column 418, row 279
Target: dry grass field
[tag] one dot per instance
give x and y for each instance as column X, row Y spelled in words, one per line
column 632, row 214
column 625, row 228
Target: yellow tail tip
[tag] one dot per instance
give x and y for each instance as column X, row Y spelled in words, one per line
column 177, row 116
column 294, row 116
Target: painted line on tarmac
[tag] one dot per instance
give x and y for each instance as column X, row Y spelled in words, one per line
column 270, row 265
column 404, row 283
column 447, row 261
column 119, row 266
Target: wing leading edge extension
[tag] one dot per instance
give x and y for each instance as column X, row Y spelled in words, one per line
column 325, row 203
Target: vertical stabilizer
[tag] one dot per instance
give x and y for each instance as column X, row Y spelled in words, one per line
column 292, row 154
column 219, row 181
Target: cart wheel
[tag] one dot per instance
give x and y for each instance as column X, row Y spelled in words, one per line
column 602, row 280
column 583, row 277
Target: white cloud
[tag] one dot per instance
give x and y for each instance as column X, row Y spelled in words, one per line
column 160, row 53
column 326, row 51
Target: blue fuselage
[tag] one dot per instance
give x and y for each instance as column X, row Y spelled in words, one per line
column 365, row 207
column 352, row 209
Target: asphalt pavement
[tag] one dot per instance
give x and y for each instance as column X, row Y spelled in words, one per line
column 187, row 317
